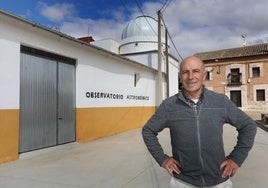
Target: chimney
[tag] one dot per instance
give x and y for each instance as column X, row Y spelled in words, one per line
column 87, row 39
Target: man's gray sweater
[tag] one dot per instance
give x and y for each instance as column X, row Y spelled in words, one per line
column 197, row 139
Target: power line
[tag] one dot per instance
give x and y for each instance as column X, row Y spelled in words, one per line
column 165, row 5
column 126, row 8
column 163, row 8
column 175, row 46
column 172, row 40
column 139, row 6
column 145, row 17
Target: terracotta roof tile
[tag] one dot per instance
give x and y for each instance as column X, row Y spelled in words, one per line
column 245, row 51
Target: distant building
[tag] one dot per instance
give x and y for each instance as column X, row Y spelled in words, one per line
column 240, row 73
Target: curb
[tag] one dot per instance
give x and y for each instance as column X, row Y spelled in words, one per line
column 262, row 125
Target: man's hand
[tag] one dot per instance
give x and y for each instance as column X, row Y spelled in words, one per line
column 230, row 168
column 171, row 165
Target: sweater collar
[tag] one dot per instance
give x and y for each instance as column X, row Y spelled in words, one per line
column 183, row 97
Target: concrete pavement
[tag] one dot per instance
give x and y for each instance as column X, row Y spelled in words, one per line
column 119, row 161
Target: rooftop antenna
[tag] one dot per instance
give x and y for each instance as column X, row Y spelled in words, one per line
column 88, row 30
column 244, row 40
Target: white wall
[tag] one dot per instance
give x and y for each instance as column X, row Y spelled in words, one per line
column 151, row 60
column 9, row 74
column 112, row 77
column 173, row 77
column 108, row 44
column 96, row 71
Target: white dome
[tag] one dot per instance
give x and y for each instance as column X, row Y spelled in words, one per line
column 141, row 26
column 140, row 35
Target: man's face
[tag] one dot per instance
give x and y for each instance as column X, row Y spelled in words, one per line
column 192, row 75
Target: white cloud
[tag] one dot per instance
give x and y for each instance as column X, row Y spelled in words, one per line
column 66, row 20
column 207, row 25
column 57, row 12
column 195, row 26
column 100, row 29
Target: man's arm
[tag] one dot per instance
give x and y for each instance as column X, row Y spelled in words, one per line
column 150, row 131
column 246, row 128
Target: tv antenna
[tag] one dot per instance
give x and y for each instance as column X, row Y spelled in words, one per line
column 244, row 39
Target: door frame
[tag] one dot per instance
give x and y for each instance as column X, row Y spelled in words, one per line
column 58, row 60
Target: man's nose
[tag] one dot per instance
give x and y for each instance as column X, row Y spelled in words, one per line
column 190, row 75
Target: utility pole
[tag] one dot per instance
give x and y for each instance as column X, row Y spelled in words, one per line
column 167, row 63
column 159, row 80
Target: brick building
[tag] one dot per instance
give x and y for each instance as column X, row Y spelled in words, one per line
column 240, row 73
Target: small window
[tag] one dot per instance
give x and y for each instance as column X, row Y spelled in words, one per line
column 260, row 94
column 256, row 72
column 208, row 75
column 136, row 79
column 234, row 77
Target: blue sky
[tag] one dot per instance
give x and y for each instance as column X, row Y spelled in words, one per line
column 194, row 25
column 93, row 9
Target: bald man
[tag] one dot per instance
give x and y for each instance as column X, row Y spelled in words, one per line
column 195, row 117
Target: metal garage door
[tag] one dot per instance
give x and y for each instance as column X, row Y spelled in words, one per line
column 66, row 103
column 47, row 100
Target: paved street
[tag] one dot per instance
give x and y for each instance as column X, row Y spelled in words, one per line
column 119, row 161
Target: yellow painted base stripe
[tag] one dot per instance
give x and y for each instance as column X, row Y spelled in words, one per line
column 93, row 123
column 9, row 135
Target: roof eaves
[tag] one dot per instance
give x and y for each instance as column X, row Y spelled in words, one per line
column 245, row 51
column 34, row 24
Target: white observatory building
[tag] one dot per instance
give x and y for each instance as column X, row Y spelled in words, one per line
column 88, row 90
column 139, row 42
